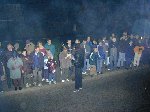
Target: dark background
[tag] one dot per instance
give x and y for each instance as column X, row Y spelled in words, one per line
column 63, row 19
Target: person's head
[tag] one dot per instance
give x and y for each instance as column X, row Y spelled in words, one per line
column 100, row 43
column 40, row 44
column 113, row 35
column 94, row 42
column 68, row 41
column 131, row 36
column 114, row 39
column 95, row 50
column 49, row 41
column 16, row 46
column 37, row 49
column 84, row 41
column 77, row 41
column 88, row 38
column 10, row 47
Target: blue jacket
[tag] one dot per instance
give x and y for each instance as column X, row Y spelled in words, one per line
column 129, row 51
column 101, row 52
column 38, row 60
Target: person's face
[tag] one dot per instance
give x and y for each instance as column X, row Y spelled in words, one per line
column 113, row 35
column 100, row 43
column 65, row 50
column 9, row 47
column 37, row 50
column 84, row 42
column 69, row 41
column 114, row 39
column 77, row 41
column 89, row 38
column 49, row 42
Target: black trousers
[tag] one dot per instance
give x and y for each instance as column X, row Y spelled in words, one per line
column 78, row 78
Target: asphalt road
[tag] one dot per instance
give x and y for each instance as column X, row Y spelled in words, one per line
column 117, row 91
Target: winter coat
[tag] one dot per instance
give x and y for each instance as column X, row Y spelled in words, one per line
column 38, row 60
column 27, row 64
column 15, row 67
column 51, row 64
column 79, row 58
column 64, row 61
column 101, row 52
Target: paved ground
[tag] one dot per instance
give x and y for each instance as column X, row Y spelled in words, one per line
column 117, row 91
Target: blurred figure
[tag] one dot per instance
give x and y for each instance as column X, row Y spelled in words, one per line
column 79, row 64
column 29, row 47
column 138, row 53
column 8, row 54
column 38, row 65
column 113, row 53
column 2, row 76
column 51, row 64
column 15, row 65
column 129, row 55
column 102, row 57
column 65, row 62
column 50, row 46
column 27, row 69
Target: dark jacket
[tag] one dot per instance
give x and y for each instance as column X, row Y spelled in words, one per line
column 38, row 60
column 79, row 57
column 51, row 64
column 27, row 64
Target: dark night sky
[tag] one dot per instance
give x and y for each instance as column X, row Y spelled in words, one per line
column 21, row 19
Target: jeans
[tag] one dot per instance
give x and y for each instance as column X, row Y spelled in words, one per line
column 113, row 61
column 37, row 75
column 65, row 73
column 52, row 77
column 121, row 59
column 46, row 74
column 99, row 65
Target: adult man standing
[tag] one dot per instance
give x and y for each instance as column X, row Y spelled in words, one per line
column 79, row 64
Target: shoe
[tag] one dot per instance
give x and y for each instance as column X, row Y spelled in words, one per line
column 47, row 80
column 75, row 90
column 63, row 81
column 50, row 82
column 43, row 79
column 80, row 88
column 1, row 91
column 54, row 82
column 109, row 69
column 39, row 84
column 27, row 85
column 20, row 88
column 15, row 88
column 67, row 80
column 83, row 72
column 34, row 83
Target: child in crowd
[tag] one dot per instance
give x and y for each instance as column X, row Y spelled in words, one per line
column 51, row 64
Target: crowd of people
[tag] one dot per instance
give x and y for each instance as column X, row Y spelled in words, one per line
column 36, row 63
